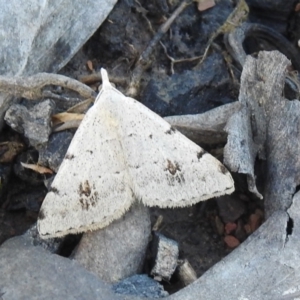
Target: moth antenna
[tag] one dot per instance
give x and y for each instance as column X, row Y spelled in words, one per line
column 105, row 81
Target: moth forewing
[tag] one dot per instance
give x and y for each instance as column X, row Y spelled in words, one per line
column 121, row 152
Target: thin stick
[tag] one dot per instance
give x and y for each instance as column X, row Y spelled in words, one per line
column 32, row 87
column 144, row 61
column 176, row 61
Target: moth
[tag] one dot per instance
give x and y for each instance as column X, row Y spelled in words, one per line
column 123, row 152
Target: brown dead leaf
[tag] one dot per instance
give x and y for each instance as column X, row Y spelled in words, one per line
column 82, row 107
column 65, row 117
column 158, row 223
column 90, row 66
column 37, row 168
column 219, row 225
column 9, row 150
column 255, row 221
column 205, row 4
column 247, row 229
column 67, row 125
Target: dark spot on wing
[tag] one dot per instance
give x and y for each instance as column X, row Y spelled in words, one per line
column 173, row 167
column 69, row 156
column 223, row 169
column 84, row 204
column 88, row 197
column 174, row 174
column 90, row 151
column 41, row 215
column 200, row 154
column 54, row 190
column 171, row 130
column 84, row 189
column 150, row 136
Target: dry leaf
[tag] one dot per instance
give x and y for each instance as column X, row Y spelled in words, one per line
column 90, row 66
column 67, row 125
column 219, row 225
column 81, row 107
column 255, row 221
column 158, row 223
column 37, row 168
column 205, row 4
column 8, row 151
column 247, row 228
column 65, row 116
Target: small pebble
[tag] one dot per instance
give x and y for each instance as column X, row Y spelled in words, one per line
column 230, row 208
column 34, row 123
column 140, row 285
column 230, row 227
column 231, row 241
column 166, row 255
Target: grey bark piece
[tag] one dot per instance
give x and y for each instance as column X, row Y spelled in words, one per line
column 29, row 272
column 35, row 123
column 117, row 251
column 240, row 151
column 51, row 32
column 166, row 257
column 267, row 125
column 206, row 128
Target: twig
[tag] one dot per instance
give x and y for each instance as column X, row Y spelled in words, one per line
column 143, row 12
column 96, row 77
column 176, row 61
column 235, row 19
column 144, row 61
column 228, row 61
column 32, row 87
